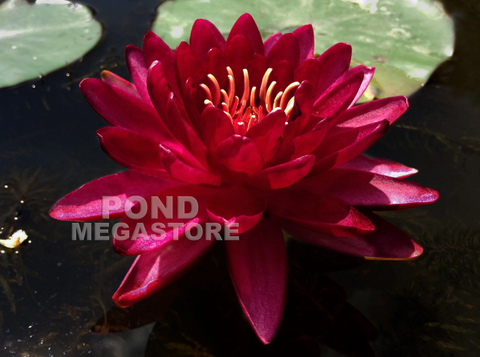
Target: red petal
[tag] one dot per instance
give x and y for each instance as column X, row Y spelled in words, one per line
column 271, row 41
column 85, row 203
column 334, row 62
column 216, row 126
column 286, row 48
column 204, row 37
column 304, row 100
column 132, row 150
column 306, row 41
column 365, row 189
column 283, row 175
column 267, row 133
column 338, row 149
column 383, row 109
column 257, row 265
column 246, row 26
column 187, row 65
column 152, row 272
column 183, row 172
column 386, row 243
column 235, row 206
column 119, row 82
column 239, row 154
column 311, row 71
column 368, row 75
column 238, row 53
column 140, row 236
column 138, row 70
column 319, row 212
column 379, row 166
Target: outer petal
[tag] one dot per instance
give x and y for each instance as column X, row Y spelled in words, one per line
column 85, row 203
column 379, row 166
column 119, row 82
column 271, row 41
column 335, row 62
column 319, row 212
column 257, row 264
column 141, row 236
column 283, row 175
column 368, row 75
column 365, row 189
column 138, row 70
column 306, row 41
column 235, row 206
column 246, row 26
column 386, row 243
column 286, row 48
column 152, row 272
column 204, row 37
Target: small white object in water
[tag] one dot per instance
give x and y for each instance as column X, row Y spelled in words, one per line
column 15, row 239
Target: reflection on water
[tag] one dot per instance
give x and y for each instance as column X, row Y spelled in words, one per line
column 55, row 291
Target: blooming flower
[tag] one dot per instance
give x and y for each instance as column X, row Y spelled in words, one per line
column 264, row 135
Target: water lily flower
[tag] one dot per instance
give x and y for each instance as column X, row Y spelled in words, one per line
column 266, row 136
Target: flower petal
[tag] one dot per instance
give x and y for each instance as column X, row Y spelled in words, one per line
column 138, row 70
column 183, row 172
column 334, row 63
column 238, row 53
column 154, row 229
column 85, row 203
column 119, row 82
column 368, row 75
column 379, row 166
column 372, row 112
column 319, row 212
column 306, row 41
column 239, row 154
column 338, row 149
column 215, row 126
column 132, row 150
column 283, row 175
column 386, row 243
column 235, row 206
column 286, row 48
column 271, row 41
column 246, row 26
column 152, row 272
column 257, row 265
column 204, row 37
column 187, row 65
column 267, row 133
column 365, row 189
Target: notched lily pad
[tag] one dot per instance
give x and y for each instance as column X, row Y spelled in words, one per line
column 405, row 40
column 38, row 38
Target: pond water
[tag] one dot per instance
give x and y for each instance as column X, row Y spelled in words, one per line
column 56, row 293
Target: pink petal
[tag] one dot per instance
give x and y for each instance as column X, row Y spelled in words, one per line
column 155, row 49
column 132, row 150
column 319, row 212
column 283, row 175
column 119, row 82
column 306, row 41
column 235, row 206
column 138, row 70
column 257, row 265
column 239, row 154
column 365, row 189
column 379, row 166
column 383, row 109
column 246, row 26
column 386, row 243
column 183, row 172
column 118, row 108
column 216, row 126
column 204, row 37
column 338, row 149
column 311, row 71
column 187, row 65
column 267, row 133
column 141, row 236
column 152, row 272
column 286, row 48
column 368, row 75
column 334, row 63
column 271, row 41
column 238, row 53
column 85, row 203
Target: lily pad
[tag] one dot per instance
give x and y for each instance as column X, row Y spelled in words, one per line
column 412, row 36
column 38, row 38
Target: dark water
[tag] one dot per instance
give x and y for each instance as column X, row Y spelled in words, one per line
column 55, row 291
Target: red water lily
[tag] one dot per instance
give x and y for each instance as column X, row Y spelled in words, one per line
column 262, row 134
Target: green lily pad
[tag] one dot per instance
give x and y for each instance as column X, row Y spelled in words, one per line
column 38, row 38
column 404, row 39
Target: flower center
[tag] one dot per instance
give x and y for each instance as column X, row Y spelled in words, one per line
column 251, row 107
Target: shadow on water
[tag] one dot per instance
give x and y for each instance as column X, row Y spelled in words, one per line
column 55, row 291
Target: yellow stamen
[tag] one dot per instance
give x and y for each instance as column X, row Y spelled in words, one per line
column 290, row 87
column 263, row 86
